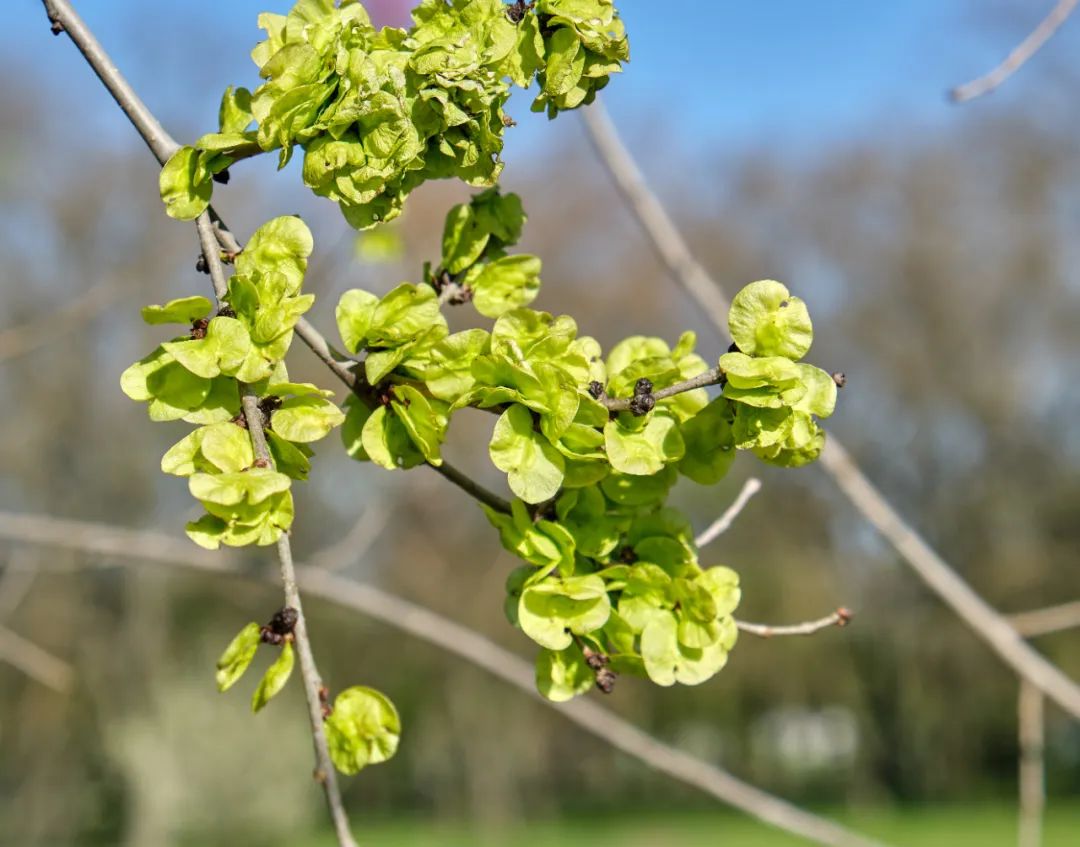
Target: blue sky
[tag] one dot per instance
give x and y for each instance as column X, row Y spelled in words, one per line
column 725, row 75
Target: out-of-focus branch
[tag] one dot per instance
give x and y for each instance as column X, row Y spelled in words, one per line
column 148, row 546
column 841, row 617
column 20, row 653
column 1019, row 55
column 46, row 328
column 1030, row 709
column 1046, row 621
column 983, row 620
column 356, row 542
column 36, row 663
column 721, row 525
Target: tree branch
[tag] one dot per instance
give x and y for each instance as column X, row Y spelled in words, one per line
column 36, row 663
column 118, row 544
column 721, row 525
column 841, row 617
column 983, row 620
column 1048, row 620
column 1018, row 57
column 44, row 328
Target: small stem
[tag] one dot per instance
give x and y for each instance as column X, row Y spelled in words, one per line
column 841, row 617
column 721, row 525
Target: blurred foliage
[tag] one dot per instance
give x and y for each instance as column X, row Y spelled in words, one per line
column 942, row 273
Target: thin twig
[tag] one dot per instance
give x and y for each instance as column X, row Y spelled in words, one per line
column 325, row 773
column 212, row 254
column 15, row 581
column 841, row 617
column 148, row 546
column 1029, row 712
column 36, row 663
column 47, row 327
column 1019, row 55
column 723, row 523
column 981, row 618
column 713, row 376
column 21, row 654
column 1046, row 621
column 356, row 542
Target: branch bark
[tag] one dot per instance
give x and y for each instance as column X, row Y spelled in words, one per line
column 983, row 620
column 35, row 662
column 1046, row 621
column 119, row 544
column 1019, row 55
column 841, row 617
column 723, row 523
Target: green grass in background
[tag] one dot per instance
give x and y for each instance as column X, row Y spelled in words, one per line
column 947, row 826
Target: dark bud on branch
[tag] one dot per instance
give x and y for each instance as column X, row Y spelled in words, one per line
column 642, row 404
column 605, row 680
column 593, row 658
column 226, row 312
column 643, row 386
column 281, row 626
column 324, row 702
column 596, row 389
column 198, row 328
column 840, row 379
column 201, row 266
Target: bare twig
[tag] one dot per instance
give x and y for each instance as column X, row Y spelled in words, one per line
column 15, row 582
column 1048, row 620
column 721, row 525
column 36, row 663
column 148, row 546
column 841, row 617
column 983, row 620
column 46, row 328
column 21, row 654
column 1030, row 708
column 357, row 541
column 1019, row 55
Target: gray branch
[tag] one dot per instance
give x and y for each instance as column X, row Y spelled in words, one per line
column 983, row 620
column 1019, row 55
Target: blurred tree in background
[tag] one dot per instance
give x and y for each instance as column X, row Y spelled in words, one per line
column 941, row 271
